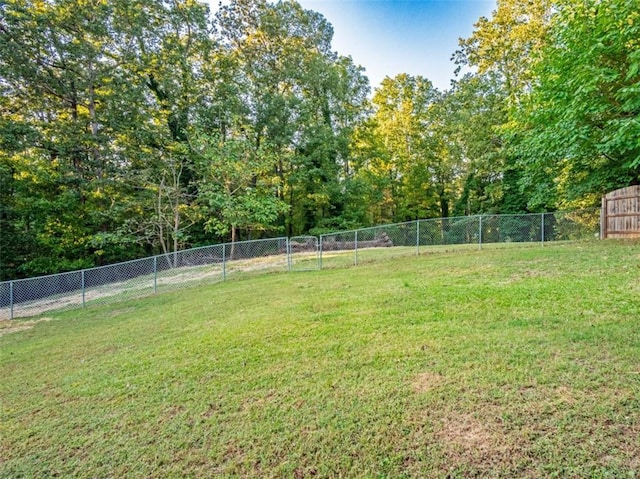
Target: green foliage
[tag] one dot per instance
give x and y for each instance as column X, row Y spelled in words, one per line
column 570, row 73
column 508, row 44
column 135, row 127
column 238, row 187
column 472, row 115
column 401, row 151
column 580, row 124
column 102, row 105
column 79, row 123
column 299, row 103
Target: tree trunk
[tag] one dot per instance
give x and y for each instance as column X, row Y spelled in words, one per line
column 176, row 230
column 163, row 244
column 233, row 241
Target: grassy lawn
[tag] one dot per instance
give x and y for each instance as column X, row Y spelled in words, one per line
column 506, row 362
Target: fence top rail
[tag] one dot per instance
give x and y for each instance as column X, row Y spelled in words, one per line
column 280, row 238
column 44, row 276
column 392, row 225
column 466, row 217
column 387, row 225
column 219, row 245
column 369, row 228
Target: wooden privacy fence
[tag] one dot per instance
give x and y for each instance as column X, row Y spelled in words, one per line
column 620, row 215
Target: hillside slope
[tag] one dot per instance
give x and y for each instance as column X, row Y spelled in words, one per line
column 505, row 363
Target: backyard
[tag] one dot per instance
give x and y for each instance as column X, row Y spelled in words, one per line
column 513, row 361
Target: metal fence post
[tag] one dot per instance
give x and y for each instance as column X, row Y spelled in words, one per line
column 83, row 288
column 417, row 237
column 480, row 232
column 542, row 229
column 355, row 247
column 155, row 274
column 11, row 300
column 320, row 257
column 288, row 247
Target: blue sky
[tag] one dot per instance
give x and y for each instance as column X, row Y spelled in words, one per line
column 389, row 37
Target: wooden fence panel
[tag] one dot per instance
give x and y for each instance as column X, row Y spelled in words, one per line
column 621, row 213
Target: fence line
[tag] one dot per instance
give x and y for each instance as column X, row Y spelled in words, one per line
column 207, row 264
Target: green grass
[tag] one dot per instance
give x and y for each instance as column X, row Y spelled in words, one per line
column 511, row 362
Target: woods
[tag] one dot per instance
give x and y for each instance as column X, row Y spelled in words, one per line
column 130, row 128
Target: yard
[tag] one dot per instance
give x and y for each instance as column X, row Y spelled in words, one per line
column 506, row 362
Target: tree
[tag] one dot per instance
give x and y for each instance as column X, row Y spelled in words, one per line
column 97, row 100
column 63, row 88
column 409, row 159
column 579, row 128
column 474, row 113
column 238, row 185
column 508, row 44
column 299, row 100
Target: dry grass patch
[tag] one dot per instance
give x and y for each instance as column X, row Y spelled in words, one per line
column 478, row 438
column 425, row 382
column 8, row 326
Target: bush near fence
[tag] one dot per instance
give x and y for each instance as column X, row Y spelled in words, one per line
column 34, row 296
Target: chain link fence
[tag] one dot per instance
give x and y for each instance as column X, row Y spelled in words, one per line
column 210, row 264
column 304, row 253
column 464, row 232
column 143, row 277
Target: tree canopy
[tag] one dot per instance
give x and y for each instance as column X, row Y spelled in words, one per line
column 130, row 128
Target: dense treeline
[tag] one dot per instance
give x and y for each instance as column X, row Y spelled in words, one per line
column 133, row 127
